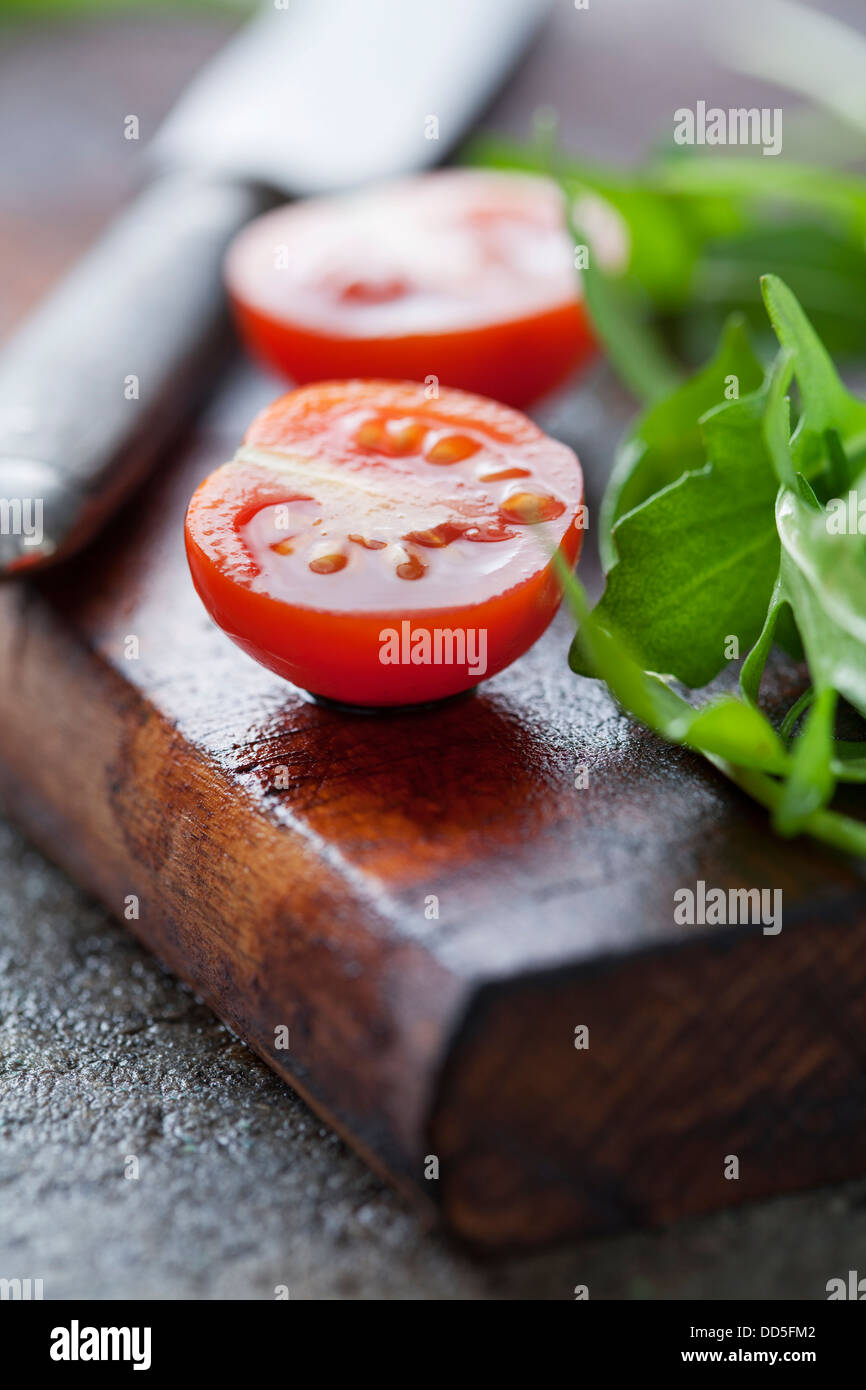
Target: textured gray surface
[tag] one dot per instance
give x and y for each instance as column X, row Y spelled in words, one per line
column 103, row 1055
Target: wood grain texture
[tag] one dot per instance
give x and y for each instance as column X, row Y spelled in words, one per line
column 304, row 905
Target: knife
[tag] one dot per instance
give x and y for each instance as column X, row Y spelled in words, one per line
column 312, row 96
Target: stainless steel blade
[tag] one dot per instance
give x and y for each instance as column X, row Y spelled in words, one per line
column 327, row 94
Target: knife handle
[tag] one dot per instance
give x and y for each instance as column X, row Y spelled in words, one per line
column 111, row 363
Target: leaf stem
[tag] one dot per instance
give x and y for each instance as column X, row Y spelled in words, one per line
column 840, row 832
column 786, row 728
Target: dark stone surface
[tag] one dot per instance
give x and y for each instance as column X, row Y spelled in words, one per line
column 104, row 1055
column 240, row 1188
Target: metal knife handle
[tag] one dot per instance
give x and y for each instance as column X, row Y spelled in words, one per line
column 94, row 383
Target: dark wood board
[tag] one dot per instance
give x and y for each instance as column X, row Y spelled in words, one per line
column 305, row 907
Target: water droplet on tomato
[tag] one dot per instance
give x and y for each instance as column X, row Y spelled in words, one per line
column 528, row 508
column 493, row 530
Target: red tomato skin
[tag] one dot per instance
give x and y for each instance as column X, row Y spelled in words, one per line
column 462, row 274
column 516, row 362
column 333, row 652
column 354, row 675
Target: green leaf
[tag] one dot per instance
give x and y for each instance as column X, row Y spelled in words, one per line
column 811, row 782
column 649, row 700
column 824, row 268
column 777, row 419
column 666, row 440
column 739, row 733
column 607, row 656
column 662, row 246
column 726, row 728
column 795, row 713
column 753, row 667
column 698, row 561
column 839, row 471
column 827, row 404
column 849, row 761
column 823, row 577
column 709, row 556
column 734, row 179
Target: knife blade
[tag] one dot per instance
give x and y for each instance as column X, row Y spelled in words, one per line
column 312, row 96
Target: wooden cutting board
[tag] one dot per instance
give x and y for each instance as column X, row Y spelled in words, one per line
column 287, row 860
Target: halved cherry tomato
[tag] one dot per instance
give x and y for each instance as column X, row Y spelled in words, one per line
column 464, row 275
column 380, row 548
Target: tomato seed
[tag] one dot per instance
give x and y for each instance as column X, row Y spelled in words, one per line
column 374, row 291
column 393, row 437
column 527, row 508
column 413, row 568
column 503, row 475
column 367, row 544
column 452, row 448
column 328, row 564
column 437, row 536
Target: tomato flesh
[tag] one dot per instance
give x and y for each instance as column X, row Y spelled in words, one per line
column 360, row 522
column 463, row 275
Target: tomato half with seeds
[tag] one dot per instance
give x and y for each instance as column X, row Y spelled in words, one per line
column 464, row 275
column 380, row 548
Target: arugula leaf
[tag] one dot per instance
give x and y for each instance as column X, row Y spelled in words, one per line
column 703, row 228
column 839, row 472
column 776, row 423
column 822, row 574
column 609, row 658
column 849, row 761
column 752, row 669
column 823, row 577
column 698, row 560
column 739, row 733
column 744, row 181
column 723, row 727
column 824, row 268
column 666, row 440
column 796, row 712
column 811, row 782
column 826, row 401
column 742, row 544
